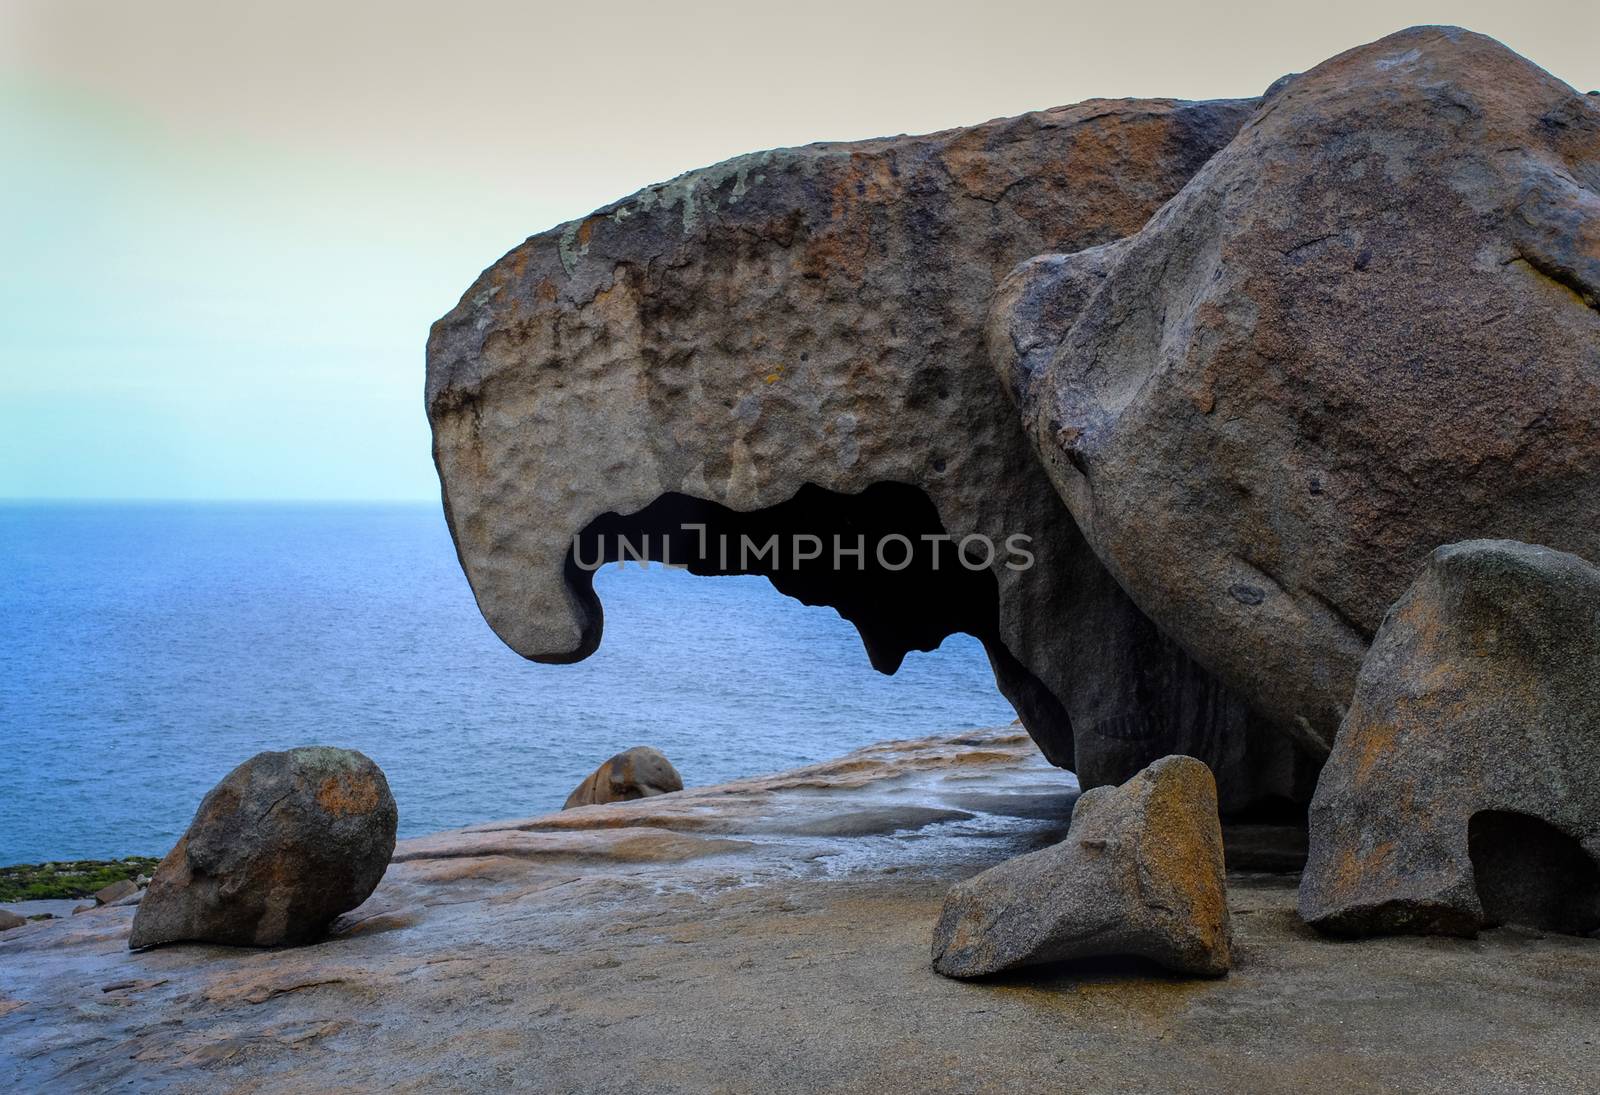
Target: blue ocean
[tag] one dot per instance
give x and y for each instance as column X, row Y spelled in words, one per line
column 149, row 648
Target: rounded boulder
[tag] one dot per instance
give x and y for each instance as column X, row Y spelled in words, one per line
column 285, row 843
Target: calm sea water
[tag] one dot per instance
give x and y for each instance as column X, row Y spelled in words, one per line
column 148, row 649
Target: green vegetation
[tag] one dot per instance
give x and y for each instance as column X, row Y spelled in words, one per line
column 80, row 878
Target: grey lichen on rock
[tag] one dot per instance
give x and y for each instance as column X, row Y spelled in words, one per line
column 1464, row 787
column 1367, row 327
column 1140, row 874
column 793, row 341
column 640, row 772
column 285, row 843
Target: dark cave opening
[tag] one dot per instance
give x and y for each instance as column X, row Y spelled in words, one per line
column 1529, row 872
column 881, row 558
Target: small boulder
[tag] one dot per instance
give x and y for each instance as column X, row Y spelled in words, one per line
column 1464, row 785
column 285, row 843
column 9, row 920
column 115, row 892
column 1140, row 874
column 635, row 773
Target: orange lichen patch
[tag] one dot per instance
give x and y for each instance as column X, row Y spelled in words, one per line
column 343, row 795
column 585, row 232
column 615, row 310
column 1376, row 744
column 1357, row 868
column 545, row 291
column 1418, row 615
column 1441, row 675
column 974, row 167
column 863, row 190
column 1184, row 851
column 840, row 252
column 1104, row 142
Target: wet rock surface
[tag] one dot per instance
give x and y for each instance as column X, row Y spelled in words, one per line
column 798, row 964
column 633, row 773
column 1140, row 874
column 791, row 344
column 285, row 843
column 1366, row 328
column 1464, row 787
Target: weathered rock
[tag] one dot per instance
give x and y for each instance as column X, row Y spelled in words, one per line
column 770, row 969
column 285, row 843
column 9, row 920
column 791, row 342
column 1140, row 874
column 1137, row 696
column 1464, row 787
column 633, row 773
column 116, row 892
column 1368, row 326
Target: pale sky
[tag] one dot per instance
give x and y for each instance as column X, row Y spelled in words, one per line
column 225, row 231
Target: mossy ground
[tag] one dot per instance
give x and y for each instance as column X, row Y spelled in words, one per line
column 68, row 879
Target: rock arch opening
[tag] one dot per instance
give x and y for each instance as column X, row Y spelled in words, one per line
column 1531, row 873
column 881, row 558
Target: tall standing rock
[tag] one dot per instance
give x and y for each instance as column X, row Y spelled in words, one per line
column 1140, row 874
column 791, row 343
column 285, row 843
column 1367, row 327
column 1464, row 787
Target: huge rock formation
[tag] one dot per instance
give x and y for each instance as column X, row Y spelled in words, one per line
column 1464, row 787
column 1369, row 326
column 791, row 343
column 285, row 843
column 1140, row 874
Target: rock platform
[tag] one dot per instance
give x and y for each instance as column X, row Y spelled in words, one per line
column 772, row 935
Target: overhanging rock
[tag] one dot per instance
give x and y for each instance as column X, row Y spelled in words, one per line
column 792, row 340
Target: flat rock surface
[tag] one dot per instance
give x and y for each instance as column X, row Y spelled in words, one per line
column 54, row 906
column 716, row 940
